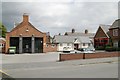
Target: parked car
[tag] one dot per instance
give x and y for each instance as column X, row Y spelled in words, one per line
column 12, row 50
column 75, row 51
column 91, row 48
column 66, row 50
column 88, row 51
column 81, row 49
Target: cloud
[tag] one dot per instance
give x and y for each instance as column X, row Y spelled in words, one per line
column 60, row 0
column 58, row 17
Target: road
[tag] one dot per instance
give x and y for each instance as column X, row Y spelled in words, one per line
column 51, row 68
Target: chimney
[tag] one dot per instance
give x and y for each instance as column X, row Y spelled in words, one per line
column 73, row 30
column 86, row 31
column 59, row 34
column 25, row 18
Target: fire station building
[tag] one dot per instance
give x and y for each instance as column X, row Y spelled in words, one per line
column 27, row 39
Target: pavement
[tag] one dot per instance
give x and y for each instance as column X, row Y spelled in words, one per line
column 27, row 57
column 48, row 66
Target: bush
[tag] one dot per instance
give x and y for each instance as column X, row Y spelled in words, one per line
column 100, row 48
column 118, row 49
column 110, row 49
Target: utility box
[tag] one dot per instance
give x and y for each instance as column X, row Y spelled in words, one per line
column 12, row 50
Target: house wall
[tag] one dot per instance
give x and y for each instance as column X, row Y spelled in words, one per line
column 71, row 46
column 61, row 46
column 115, row 39
column 50, row 47
column 86, row 45
column 100, row 34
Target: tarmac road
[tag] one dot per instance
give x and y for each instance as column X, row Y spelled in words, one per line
column 47, row 66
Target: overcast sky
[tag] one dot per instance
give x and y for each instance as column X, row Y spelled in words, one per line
column 58, row 17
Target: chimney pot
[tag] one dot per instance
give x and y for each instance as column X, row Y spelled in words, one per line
column 73, row 30
column 86, row 31
column 25, row 18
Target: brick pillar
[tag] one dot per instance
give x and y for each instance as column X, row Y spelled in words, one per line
column 20, row 44
column 33, row 44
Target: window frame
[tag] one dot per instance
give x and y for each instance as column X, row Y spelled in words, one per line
column 115, row 32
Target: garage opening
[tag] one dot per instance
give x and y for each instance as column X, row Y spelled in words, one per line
column 38, row 45
column 14, row 42
column 26, row 45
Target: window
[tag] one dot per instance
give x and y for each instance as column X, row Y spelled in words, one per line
column 47, row 45
column 115, row 32
column 88, row 44
column 68, row 44
column 53, row 45
column 60, row 44
column 2, row 45
column 83, row 44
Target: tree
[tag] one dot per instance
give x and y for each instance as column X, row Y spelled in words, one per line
column 3, row 30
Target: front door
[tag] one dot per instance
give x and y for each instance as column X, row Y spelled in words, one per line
column 76, row 46
column 27, row 44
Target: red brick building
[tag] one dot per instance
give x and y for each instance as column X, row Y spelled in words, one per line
column 101, row 37
column 27, row 39
column 115, row 33
column 108, row 34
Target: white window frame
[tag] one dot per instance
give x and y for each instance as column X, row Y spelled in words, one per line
column 115, row 32
column 84, row 44
column 47, row 45
column 68, row 44
column 61, row 44
column 53, row 45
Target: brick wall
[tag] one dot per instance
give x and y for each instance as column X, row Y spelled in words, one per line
column 50, row 47
column 102, row 55
column 64, row 57
column 114, row 37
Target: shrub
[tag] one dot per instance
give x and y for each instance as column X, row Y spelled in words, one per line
column 100, row 48
column 110, row 49
column 118, row 49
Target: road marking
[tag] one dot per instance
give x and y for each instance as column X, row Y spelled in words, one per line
column 5, row 75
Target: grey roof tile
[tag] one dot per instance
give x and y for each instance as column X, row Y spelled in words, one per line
column 70, row 39
column 116, row 24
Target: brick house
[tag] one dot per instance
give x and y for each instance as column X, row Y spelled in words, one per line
column 115, row 33
column 27, row 39
column 101, row 37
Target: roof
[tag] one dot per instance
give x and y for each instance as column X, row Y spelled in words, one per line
column 70, row 39
column 105, row 27
column 19, row 25
column 116, row 24
column 80, row 34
